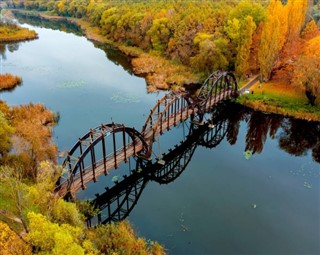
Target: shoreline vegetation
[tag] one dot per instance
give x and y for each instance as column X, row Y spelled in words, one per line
column 162, row 71
column 33, row 218
column 10, row 32
column 159, row 73
column 8, row 82
column 44, row 222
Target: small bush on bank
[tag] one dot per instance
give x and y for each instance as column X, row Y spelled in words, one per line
column 9, row 81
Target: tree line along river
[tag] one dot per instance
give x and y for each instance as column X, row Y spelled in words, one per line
column 256, row 192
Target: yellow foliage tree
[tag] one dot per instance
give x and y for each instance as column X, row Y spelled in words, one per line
column 273, row 37
column 11, row 243
column 119, row 238
column 312, row 48
column 5, row 135
column 247, row 30
column 51, row 238
column 296, row 17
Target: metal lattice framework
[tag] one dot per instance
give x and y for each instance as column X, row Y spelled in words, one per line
column 219, row 86
column 116, row 203
column 105, row 147
column 114, row 143
column 170, row 110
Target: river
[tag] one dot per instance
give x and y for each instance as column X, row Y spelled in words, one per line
column 257, row 191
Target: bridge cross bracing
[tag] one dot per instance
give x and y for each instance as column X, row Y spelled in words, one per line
column 105, row 147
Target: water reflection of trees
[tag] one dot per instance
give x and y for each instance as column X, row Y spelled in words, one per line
column 113, row 54
column 62, row 25
column 117, row 201
column 11, row 47
column 296, row 137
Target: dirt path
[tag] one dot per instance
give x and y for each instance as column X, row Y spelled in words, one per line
column 249, row 84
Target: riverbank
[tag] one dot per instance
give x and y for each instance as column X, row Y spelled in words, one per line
column 10, row 32
column 163, row 74
column 279, row 98
column 158, row 72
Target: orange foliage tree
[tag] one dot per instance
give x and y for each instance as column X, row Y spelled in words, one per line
column 33, row 137
column 306, row 71
column 9, row 81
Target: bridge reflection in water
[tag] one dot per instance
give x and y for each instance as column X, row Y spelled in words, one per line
column 116, row 203
column 105, row 147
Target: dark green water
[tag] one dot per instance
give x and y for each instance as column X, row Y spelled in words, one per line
column 226, row 201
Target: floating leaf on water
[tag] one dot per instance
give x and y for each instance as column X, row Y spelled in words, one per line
column 124, row 97
column 307, row 185
column 115, row 178
column 248, row 154
column 71, row 84
column 185, row 228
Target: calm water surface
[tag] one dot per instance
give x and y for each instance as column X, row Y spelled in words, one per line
column 256, row 192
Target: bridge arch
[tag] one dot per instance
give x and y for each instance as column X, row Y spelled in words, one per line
column 88, row 158
column 217, row 87
column 169, row 110
column 112, row 143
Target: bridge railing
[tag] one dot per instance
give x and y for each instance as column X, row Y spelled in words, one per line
column 89, row 158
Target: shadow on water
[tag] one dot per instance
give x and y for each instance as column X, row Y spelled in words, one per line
column 113, row 54
column 294, row 136
column 11, row 47
column 118, row 201
column 61, row 24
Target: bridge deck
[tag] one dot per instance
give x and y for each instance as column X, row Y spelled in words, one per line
column 103, row 167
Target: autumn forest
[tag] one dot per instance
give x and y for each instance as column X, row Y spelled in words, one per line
column 174, row 45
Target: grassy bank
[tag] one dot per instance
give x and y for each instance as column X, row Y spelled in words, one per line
column 160, row 73
column 280, row 98
column 9, row 81
column 13, row 33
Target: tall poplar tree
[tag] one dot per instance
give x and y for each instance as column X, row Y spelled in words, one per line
column 296, row 17
column 247, row 30
column 273, row 37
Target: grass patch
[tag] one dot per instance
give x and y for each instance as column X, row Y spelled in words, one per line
column 280, row 98
column 14, row 33
column 161, row 73
column 9, row 81
column 281, row 104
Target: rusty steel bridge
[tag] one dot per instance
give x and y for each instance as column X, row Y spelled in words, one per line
column 106, row 146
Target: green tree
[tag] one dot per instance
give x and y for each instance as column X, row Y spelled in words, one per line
column 5, row 135
column 160, row 33
column 247, row 30
column 212, row 53
column 247, row 8
column 240, row 33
